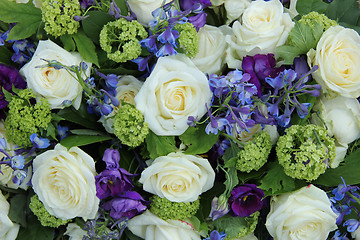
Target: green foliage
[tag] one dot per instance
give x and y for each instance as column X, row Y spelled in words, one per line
column 349, row 170
column 86, row 47
column 18, row 205
column 188, row 39
column 35, row 231
column 231, row 155
column 120, row 39
column 197, row 141
column 344, row 11
column 24, row 119
column 81, row 140
column 160, row 145
column 93, row 24
column 305, row 6
column 166, row 209
column 237, row 227
column 5, row 56
column 80, row 116
column 45, row 218
column 27, row 17
column 231, row 180
column 129, row 126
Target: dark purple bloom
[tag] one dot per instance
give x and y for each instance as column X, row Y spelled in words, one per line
column 111, row 157
column 127, row 205
column 245, row 200
column 85, row 4
column 188, row 4
column 198, row 20
column 259, row 67
column 113, row 182
column 9, row 76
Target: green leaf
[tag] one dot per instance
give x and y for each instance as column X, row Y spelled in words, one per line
column 17, row 211
column 160, row 145
column 231, row 155
column 51, row 131
column 80, row 117
column 93, row 24
column 232, row 226
column 302, row 36
column 305, row 6
column 5, row 56
column 349, row 170
column 27, row 17
column 86, row 47
column 288, row 53
column 35, row 230
column 346, row 11
column 231, row 179
column 86, row 132
column 8, row 95
column 123, row 7
column 197, row 140
column 81, row 140
column 68, row 42
column 276, row 181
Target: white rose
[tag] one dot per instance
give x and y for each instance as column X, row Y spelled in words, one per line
column 150, row 227
column 304, row 214
column 356, row 234
column 75, row 232
column 37, row 3
column 234, row 9
column 143, row 9
column 211, row 55
column 8, row 229
column 54, row 85
column 6, row 174
column 250, row 236
column 263, row 27
column 64, row 180
column 338, row 57
column 341, row 116
column 175, row 90
column 178, row 177
column 126, row 89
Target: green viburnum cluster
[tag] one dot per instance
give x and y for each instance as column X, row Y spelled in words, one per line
column 120, row 39
column 255, row 153
column 129, row 125
column 166, row 209
column 305, row 151
column 188, row 39
column 24, row 119
column 45, row 218
column 313, row 17
column 251, row 223
column 58, row 16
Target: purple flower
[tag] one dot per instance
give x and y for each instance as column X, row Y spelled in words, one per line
column 188, row 4
column 111, row 157
column 245, row 200
column 259, row 67
column 113, row 182
column 198, row 20
column 219, row 207
column 9, row 76
column 127, row 205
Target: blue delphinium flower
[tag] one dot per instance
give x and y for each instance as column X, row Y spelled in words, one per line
column 215, row 235
column 39, row 142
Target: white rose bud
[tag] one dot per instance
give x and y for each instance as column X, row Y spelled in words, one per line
column 64, row 181
column 8, row 229
column 178, row 177
column 338, row 57
column 143, row 9
column 303, row 215
column 54, row 85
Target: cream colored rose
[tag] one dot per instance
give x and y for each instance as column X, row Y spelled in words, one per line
column 301, row 215
column 64, row 180
column 338, row 57
column 75, row 232
column 178, row 177
column 8, row 229
column 263, row 27
column 211, row 55
column 143, row 9
column 126, row 89
column 150, row 227
column 235, row 8
column 7, row 172
column 175, row 90
column 356, row 235
column 54, row 85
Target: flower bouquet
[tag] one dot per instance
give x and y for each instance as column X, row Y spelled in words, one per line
column 179, row 119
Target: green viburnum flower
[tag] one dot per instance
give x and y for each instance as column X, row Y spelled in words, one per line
column 246, row 229
column 45, row 218
column 166, row 209
column 188, row 39
column 24, row 119
column 120, row 39
column 313, row 17
column 58, row 16
column 305, row 151
column 255, row 153
column 129, row 125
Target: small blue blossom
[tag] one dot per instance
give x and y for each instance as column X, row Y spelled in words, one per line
column 39, row 142
column 215, row 235
column 62, row 131
column 19, row 176
column 17, row 162
column 352, row 225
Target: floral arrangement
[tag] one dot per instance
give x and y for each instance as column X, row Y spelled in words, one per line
column 179, row 119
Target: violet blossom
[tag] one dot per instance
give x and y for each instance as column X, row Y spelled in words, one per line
column 245, row 200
